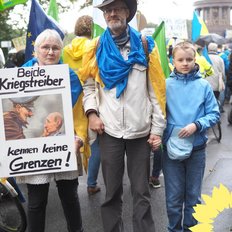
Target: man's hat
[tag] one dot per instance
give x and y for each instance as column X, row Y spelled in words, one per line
column 131, row 4
column 24, row 101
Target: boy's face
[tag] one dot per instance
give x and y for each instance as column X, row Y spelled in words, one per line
column 184, row 60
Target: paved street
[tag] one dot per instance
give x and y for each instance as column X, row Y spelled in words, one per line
column 218, row 170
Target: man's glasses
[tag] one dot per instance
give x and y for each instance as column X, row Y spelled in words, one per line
column 116, row 10
column 46, row 48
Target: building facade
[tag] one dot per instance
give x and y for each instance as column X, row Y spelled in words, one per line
column 216, row 15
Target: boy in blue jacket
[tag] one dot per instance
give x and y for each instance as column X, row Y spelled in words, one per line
column 191, row 110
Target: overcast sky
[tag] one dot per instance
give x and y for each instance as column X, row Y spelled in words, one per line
column 152, row 10
column 166, row 8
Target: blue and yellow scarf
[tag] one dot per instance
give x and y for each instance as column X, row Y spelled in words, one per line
column 114, row 70
column 103, row 61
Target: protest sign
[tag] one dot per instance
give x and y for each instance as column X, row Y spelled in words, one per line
column 33, row 142
column 19, row 43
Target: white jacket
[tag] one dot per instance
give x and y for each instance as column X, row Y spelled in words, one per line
column 219, row 70
column 135, row 114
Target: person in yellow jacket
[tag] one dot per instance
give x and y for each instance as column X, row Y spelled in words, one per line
column 73, row 52
column 72, row 55
column 206, row 68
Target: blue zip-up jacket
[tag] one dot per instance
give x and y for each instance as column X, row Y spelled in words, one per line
column 190, row 99
column 75, row 84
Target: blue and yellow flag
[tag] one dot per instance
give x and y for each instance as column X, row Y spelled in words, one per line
column 38, row 22
column 198, row 27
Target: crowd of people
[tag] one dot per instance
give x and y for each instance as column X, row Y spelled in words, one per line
column 130, row 110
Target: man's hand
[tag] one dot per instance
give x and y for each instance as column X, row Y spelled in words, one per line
column 154, row 141
column 187, row 130
column 95, row 123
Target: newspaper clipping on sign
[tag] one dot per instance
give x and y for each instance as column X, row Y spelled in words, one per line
column 37, row 134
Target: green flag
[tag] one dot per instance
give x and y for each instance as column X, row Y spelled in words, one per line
column 53, row 10
column 10, row 3
column 160, row 39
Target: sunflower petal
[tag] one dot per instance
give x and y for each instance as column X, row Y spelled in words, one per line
column 202, row 227
column 221, row 198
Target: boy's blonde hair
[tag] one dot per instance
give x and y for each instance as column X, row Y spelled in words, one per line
column 186, row 45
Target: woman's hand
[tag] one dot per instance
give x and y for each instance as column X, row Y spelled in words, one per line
column 78, row 144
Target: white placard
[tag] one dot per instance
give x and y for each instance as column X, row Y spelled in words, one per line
column 50, row 87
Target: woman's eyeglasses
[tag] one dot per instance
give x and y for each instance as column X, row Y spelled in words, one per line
column 48, row 48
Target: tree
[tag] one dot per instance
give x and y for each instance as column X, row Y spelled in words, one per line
column 13, row 21
column 5, row 27
column 7, row 33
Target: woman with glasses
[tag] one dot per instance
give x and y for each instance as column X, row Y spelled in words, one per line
column 48, row 47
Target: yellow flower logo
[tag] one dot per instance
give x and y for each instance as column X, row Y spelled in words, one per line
column 205, row 214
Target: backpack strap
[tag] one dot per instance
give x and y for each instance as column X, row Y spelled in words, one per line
column 145, row 47
column 98, row 44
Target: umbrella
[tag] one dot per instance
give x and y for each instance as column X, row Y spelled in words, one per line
column 211, row 38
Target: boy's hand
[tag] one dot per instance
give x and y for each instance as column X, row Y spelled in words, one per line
column 188, row 130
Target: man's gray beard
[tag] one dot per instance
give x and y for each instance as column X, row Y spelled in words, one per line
column 117, row 26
